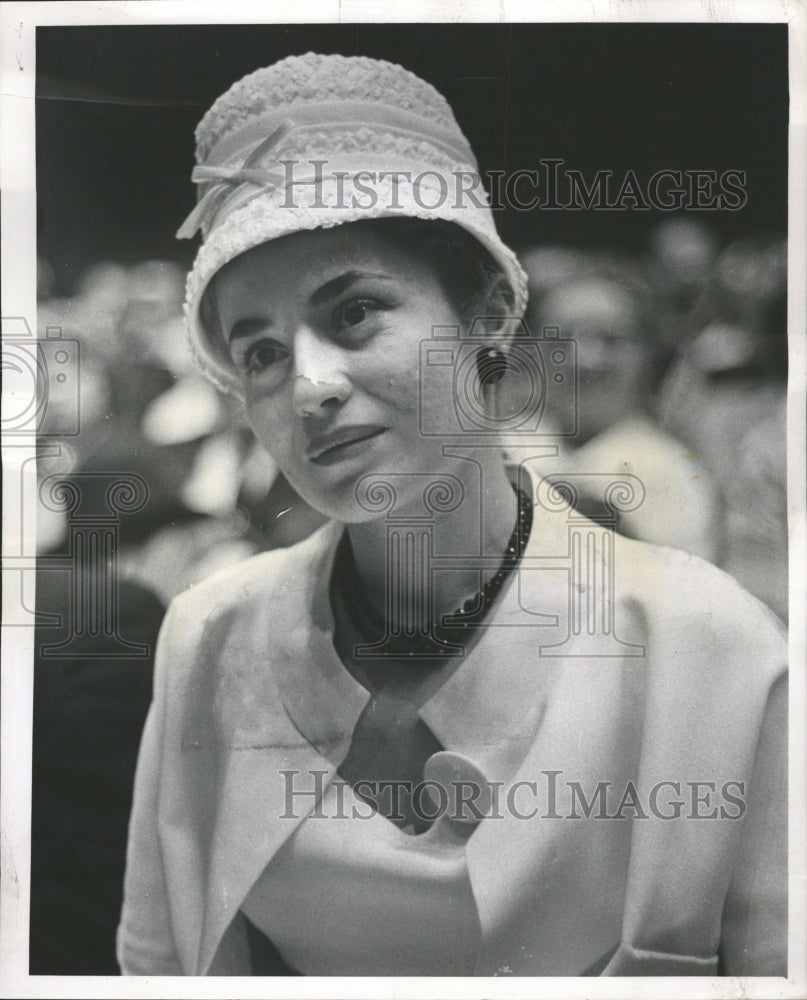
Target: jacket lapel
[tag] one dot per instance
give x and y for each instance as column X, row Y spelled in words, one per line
column 280, row 753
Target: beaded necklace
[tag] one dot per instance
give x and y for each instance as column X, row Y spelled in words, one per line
column 470, row 614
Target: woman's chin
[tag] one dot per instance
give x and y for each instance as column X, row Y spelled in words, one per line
column 338, row 501
column 368, row 494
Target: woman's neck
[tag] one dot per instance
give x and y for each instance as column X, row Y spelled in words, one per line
column 403, row 562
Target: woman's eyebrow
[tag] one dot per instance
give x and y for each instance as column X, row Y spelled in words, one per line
column 250, row 325
column 246, row 327
column 333, row 288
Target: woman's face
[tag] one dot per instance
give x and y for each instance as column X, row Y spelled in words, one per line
column 612, row 350
column 324, row 328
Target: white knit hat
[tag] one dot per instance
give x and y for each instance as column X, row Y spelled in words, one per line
column 315, row 141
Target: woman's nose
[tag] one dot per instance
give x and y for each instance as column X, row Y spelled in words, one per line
column 319, row 381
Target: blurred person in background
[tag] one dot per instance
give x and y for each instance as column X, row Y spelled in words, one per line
column 116, row 382
column 725, row 396
column 234, row 502
column 548, row 265
column 678, row 267
column 603, row 305
column 213, row 495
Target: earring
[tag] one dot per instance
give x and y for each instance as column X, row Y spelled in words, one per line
column 491, row 366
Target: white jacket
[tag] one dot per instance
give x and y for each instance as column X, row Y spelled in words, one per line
column 687, row 686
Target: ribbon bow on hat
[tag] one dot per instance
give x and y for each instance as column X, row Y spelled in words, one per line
column 227, row 178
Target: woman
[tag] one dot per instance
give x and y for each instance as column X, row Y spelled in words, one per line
column 423, row 741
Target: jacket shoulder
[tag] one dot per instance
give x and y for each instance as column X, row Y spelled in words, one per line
column 268, row 576
column 698, row 611
column 668, row 578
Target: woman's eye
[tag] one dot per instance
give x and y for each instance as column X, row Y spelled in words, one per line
column 262, row 355
column 354, row 312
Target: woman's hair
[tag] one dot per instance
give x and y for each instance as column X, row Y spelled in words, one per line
column 471, row 279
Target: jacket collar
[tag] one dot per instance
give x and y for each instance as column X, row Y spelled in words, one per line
column 489, row 709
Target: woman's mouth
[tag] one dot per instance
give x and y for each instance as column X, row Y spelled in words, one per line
column 342, row 443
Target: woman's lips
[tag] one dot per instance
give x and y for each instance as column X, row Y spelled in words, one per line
column 342, row 444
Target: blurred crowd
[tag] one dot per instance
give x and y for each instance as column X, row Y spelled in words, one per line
column 214, row 496
column 681, row 382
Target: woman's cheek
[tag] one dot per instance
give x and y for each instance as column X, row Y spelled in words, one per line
column 398, row 389
column 265, row 418
column 404, row 396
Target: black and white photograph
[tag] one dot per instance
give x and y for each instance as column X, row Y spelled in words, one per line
column 404, row 505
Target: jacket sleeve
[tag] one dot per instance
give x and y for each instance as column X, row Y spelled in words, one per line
column 145, row 940
column 754, row 926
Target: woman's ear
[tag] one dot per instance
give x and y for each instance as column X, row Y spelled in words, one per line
column 491, row 366
column 509, row 329
column 496, row 322
column 497, row 331
column 495, row 337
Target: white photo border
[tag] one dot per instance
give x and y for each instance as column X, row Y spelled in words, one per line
column 18, row 22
